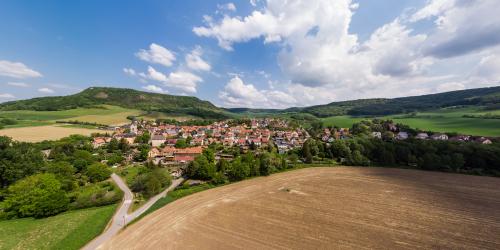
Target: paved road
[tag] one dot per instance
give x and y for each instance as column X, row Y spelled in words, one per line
column 121, row 218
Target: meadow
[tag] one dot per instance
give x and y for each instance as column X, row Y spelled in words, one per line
column 106, row 114
column 442, row 120
column 70, row 230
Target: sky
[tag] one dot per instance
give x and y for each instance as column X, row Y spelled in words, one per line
column 250, row 53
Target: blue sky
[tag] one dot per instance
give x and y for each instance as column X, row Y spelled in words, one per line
column 250, row 53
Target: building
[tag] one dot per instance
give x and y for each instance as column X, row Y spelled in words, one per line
column 439, row 137
column 377, row 135
column 157, row 140
column 422, row 136
column 402, row 136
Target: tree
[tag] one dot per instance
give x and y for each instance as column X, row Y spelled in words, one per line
column 181, row 143
column 239, row 170
column 200, row 168
column 209, row 154
column 123, row 145
column 112, row 145
column 98, row 172
column 38, row 196
column 306, row 152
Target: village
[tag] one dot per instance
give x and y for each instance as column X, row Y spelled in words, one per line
column 171, row 144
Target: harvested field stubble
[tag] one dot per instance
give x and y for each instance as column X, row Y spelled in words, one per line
column 320, row 208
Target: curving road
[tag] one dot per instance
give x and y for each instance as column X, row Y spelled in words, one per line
column 121, row 217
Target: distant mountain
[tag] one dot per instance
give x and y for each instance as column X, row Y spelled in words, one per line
column 487, row 97
column 127, row 98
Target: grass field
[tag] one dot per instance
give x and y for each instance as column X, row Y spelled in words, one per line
column 107, row 114
column 444, row 120
column 49, row 132
column 317, row 208
column 70, row 230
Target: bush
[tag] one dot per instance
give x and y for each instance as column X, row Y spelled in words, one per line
column 95, row 195
column 35, row 196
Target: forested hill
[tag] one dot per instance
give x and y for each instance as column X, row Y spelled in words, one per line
column 487, row 97
column 127, row 98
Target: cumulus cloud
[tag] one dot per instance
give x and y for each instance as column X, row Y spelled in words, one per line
column 195, row 62
column 17, row 70
column 46, row 90
column 18, row 84
column 238, row 94
column 181, row 80
column 320, row 55
column 157, row 54
column 6, row 96
column 154, row 88
column 463, row 26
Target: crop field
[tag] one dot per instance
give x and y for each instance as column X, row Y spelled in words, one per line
column 325, row 208
column 70, row 230
column 444, row 120
column 41, row 133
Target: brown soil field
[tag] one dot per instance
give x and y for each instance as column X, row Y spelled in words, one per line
column 329, row 208
column 41, row 133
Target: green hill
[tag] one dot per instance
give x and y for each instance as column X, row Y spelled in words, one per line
column 486, row 97
column 126, row 98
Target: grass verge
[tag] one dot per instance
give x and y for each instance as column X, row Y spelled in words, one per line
column 69, row 230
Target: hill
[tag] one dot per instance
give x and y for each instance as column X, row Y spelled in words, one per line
column 126, row 98
column 487, row 97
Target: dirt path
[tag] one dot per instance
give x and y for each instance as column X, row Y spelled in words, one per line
column 121, row 217
column 325, row 208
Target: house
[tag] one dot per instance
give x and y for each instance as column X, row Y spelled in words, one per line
column 402, row 136
column 154, row 152
column 377, row 135
column 439, row 137
column 483, row 140
column 422, row 136
column 462, row 138
column 100, row 141
column 157, row 140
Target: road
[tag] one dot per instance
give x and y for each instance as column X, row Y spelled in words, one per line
column 121, row 217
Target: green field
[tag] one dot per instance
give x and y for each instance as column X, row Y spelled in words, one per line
column 70, row 230
column 106, row 114
column 443, row 120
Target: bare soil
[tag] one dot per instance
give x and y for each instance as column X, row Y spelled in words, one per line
column 329, row 208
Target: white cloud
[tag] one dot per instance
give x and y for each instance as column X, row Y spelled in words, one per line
column 227, row 6
column 18, row 84
column 181, row 80
column 253, row 2
column 6, row 96
column 324, row 61
column 129, row 71
column 195, row 62
column 154, row 88
column 17, row 70
column 157, row 54
column 46, row 90
column 238, row 94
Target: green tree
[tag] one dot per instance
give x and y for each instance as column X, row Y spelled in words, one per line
column 98, row 172
column 181, row 143
column 200, row 168
column 35, row 196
